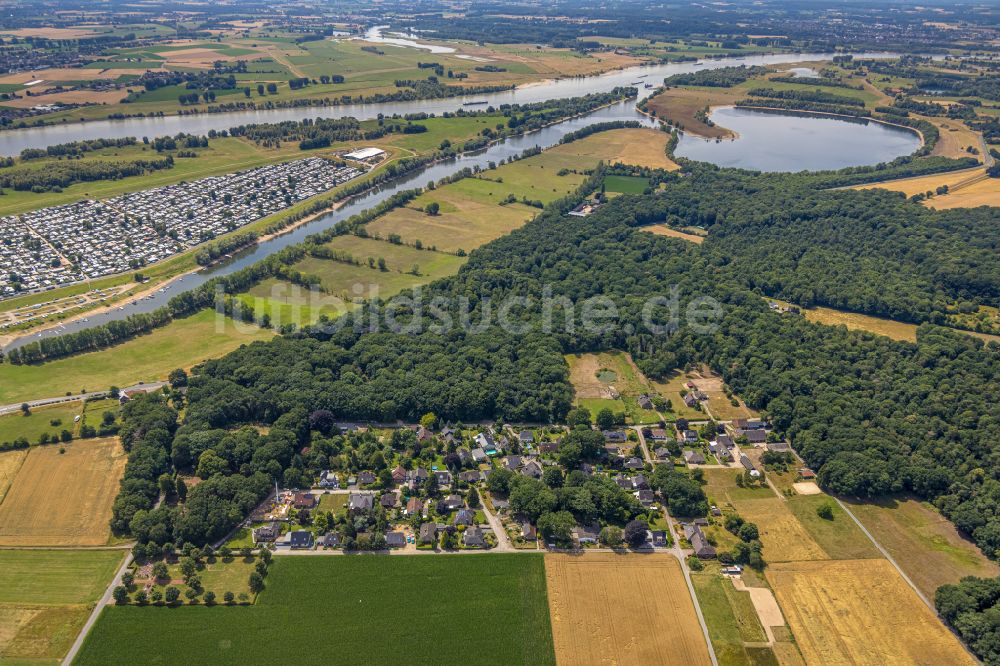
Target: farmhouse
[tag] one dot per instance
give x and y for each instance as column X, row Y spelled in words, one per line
column 699, row 543
column 753, row 436
column 266, row 533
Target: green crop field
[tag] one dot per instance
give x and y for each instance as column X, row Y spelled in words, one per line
column 180, row 344
column 484, row 609
column 56, row 576
column 626, row 184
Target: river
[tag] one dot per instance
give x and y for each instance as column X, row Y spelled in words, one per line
column 11, row 142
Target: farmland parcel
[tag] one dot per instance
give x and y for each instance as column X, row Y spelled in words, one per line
column 622, row 609
column 487, row 609
column 62, row 495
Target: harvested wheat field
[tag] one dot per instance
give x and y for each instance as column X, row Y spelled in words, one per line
column 860, row 612
column 641, row 147
column 664, row 230
column 63, row 499
column 783, row 536
column 622, row 609
column 10, row 463
column 69, row 97
column 924, row 184
column 984, row 192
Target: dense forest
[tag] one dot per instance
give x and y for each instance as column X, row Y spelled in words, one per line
column 972, row 607
column 722, row 77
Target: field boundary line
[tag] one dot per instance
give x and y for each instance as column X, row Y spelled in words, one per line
column 96, row 613
column 892, row 561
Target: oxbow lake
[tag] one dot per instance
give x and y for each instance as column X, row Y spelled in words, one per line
column 788, row 141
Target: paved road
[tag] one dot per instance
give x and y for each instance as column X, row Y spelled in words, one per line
column 42, row 402
column 96, row 613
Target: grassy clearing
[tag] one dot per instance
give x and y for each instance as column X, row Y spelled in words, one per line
column 405, row 267
column 496, row 603
column 923, row 542
column 632, row 609
column 62, row 495
column 730, row 617
column 49, row 420
column 472, row 212
column 610, row 380
column 664, row 230
column 180, row 344
column 854, row 321
column 839, row 538
column 671, row 390
column 332, row 502
column 861, row 612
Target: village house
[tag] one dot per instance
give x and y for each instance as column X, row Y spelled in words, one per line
column 329, row 480
column 395, row 539
column 357, row 502
column 413, row 506
column 473, row 538
column 428, row 533
column 532, row 469
column 693, row 458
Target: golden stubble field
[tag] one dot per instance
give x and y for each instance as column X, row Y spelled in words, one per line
column 860, row 612
column 63, row 499
column 622, row 609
